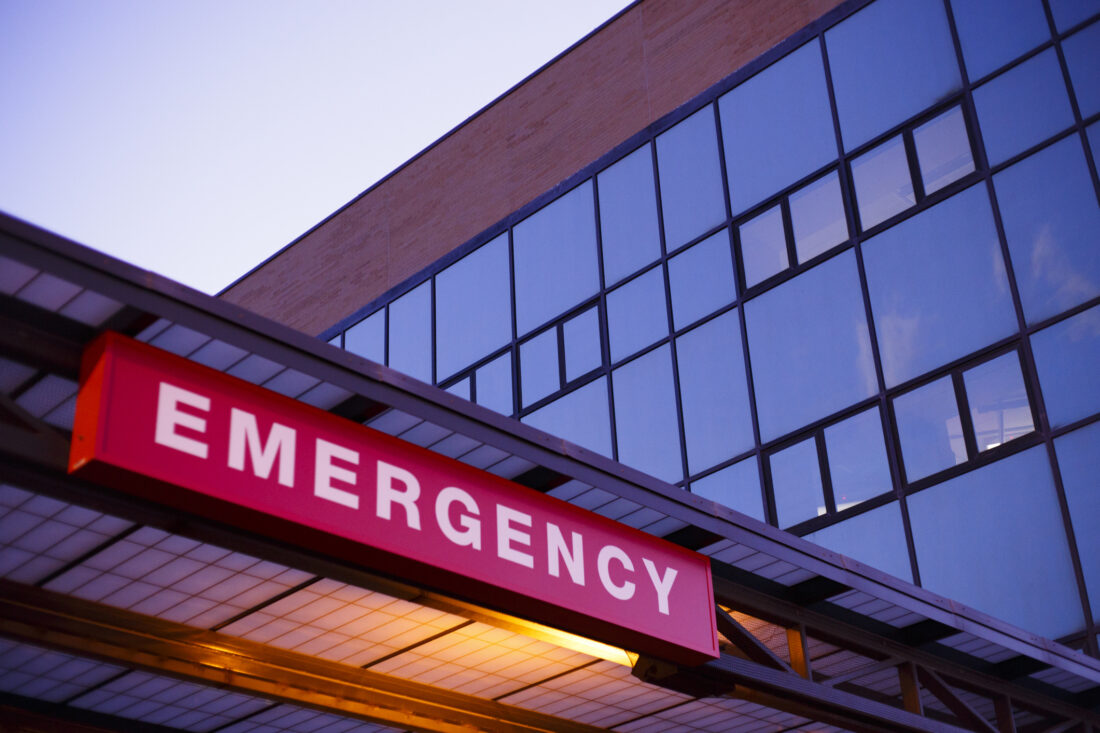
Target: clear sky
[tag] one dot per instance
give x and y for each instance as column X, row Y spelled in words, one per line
column 194, row 138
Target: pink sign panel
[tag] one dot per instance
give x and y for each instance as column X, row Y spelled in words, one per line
column 182, row 434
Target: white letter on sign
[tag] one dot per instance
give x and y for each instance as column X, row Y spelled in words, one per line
column 507, row 534
column 169, row 417
column 625, row 591
column 280, row 441
column 573, row 557
column 472, row 526
column 325, row 472
column 662, row 585
column 388, row 493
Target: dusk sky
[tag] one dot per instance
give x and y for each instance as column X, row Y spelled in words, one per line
column 195, row 138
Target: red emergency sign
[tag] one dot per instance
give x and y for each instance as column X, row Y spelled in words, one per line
column 177, row 432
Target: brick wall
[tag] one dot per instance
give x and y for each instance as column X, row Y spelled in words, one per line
column 653, row 58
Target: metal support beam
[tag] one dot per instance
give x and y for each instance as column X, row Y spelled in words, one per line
column 798, row 651
column 834, row 631
column 969, row 717
column 910, row 690
column 1006, row 721
column 205, row 657
column 746, row 643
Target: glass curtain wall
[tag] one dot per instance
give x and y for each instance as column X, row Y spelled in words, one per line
column 853, row 292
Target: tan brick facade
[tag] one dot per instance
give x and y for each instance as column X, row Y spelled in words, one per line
column 653, row 58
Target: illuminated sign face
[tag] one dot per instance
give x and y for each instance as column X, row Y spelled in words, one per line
column 179, row 433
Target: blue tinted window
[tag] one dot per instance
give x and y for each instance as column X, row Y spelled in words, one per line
column 1022, row 107
column 876, row 538
column 1094, row 140
column 809, row 347
column 1079, row 461
column 1000, row 523
column 796, row 482
column 580, row 417
column 1068, row 13
column 938, row 286
column 368, row 337
column 714, row 394
column 701, row 279
column 473, row 307
column 538, row 362
column 1050, row 217
column 555, row 258
column 998, row 401
column 994, row 32
column 411, row 333
column 943, row 150
column 763, row 246
column 691, row 179
column 1066, row 357
column 637, row 314
column 582, row 344
column 461, row 388
column 883, row 185
column 628, row 215
column 1082, row 51
column 736, row 486
column 777, row 127
column 494, row 384
column 857, row 459
column 645, row 415
column 817, row 217
column 929, row 429
column 889, row 61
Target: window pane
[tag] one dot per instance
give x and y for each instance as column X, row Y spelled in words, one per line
column 368, row 337
column 628, row 215
column 691, row 179
column 701, row 279
column 538, row 362
column 763, row 246
column 1068, row 13
column 1082, row 51
column 645, row 415
column 736, row 486
column 796, row 482
column 714, row 394
column 411, row 333
column 883, row 185
column 929, row 429
column 857, row 459
column 582, row 344
column 998, row 401
column 777, row 127
column 1066, row 355
column 1050, row 217
column 888, row 62
column 461, row 388
column 637, row 314
column 1000, row 523
column 809, row 347
column 580, row 417
column 876, row 538
column 817, row 217
column 555, row 258
column 473, row 307
column 494, row 384
column 1022, row 107
column 938, row 286
column 1079, row 461
column 943, row 150
column 994, row 32
column 335, row 340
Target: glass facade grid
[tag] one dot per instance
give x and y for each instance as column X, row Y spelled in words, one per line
column 945, row 135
